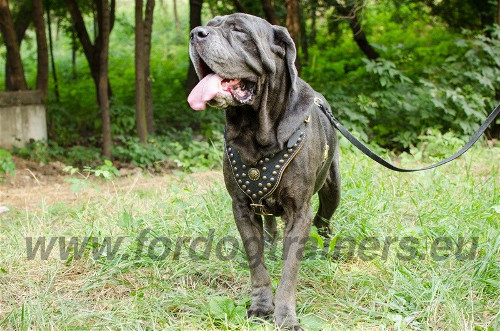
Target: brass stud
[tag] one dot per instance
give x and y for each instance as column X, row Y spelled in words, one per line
column 231, row 155
column 286, row 156
column 244, row 187
column 260, row 193
column 275, row 173
column 265, row 190
column 277, row 166
column 229, row 149
column 264, row 169
column 281, row 161
column 272, row 179
column 243, row 175
column 233, row 163
column 248, row 191
column 254, row 196
column 260, row 185
column 240, row 181
column 299, row 140
column 235, row 169
column 247, row 182
column 264, row 178
column 269, row 185
column 290, row 150
column 243, row 167
column 295, row 145
column 237, row 175
column 266, row 159
column 261, row 162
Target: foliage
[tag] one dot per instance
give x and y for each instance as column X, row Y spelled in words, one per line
column 427, row 78
column 187, row 153
column 7, row 166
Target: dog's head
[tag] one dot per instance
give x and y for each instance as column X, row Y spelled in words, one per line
column 240, row 58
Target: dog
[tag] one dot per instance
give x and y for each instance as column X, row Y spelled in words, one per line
column 280, row 148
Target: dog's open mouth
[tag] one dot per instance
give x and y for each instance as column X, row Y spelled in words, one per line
column 213, row 88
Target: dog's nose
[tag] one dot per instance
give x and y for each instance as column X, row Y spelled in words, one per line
column 198, row 34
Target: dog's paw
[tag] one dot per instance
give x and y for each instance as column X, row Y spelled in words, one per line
column 286, row 319
column 264, row 313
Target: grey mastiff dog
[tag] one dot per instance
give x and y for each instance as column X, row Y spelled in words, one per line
column 280, row 148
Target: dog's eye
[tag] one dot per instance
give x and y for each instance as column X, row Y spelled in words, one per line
column 237, row 30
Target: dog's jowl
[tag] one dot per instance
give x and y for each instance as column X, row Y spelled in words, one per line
column 280, row 148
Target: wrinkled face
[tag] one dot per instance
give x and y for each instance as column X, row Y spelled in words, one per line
column 227, row 60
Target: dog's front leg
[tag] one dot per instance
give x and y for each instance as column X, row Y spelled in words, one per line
column 252, row 233
column 296, row 234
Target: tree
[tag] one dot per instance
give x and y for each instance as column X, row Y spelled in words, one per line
column 349, row 12
column 15, row 79
column 97, row 56
column 194, row 21
column 271, row 17
column 143, row 88
column 42, row 75
column 293, row 25
column 91, row 50
column 104, row 29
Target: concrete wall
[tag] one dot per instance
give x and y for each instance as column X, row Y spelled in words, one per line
column 22, row 118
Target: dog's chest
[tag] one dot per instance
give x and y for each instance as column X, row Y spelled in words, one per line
column 258, row 181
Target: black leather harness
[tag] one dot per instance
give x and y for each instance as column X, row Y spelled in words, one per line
column 260, row 180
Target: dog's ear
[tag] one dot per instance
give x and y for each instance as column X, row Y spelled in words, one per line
column 285, row 47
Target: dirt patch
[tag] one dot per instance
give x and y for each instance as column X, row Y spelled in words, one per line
column 37, row 185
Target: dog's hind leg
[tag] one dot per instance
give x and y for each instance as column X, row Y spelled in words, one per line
column 270, row 229
column 329, row 199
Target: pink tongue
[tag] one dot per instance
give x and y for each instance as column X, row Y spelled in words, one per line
column 205, row 91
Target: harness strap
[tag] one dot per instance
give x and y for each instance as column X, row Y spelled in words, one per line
column 386, row 164
column 260, row 180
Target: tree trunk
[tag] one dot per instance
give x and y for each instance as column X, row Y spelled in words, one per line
column 21, row 24
column 349, row 13
column 360, row 39
column 303, row 35
column 293, row 26
column 194, row 21
column 74, row 49
column 148, row 30
column 312, row 36
column 176, row 18
column 42, row 74
column 140, row 92
column 52, row 61
column 267, row 6
column 104, row 23
column 23, row 20
column 15, row 80
column 90, row 50
column 239, row 6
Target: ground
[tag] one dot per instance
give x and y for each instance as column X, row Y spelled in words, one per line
column 180, row 263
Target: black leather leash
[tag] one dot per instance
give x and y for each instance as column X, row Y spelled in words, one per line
column 386, row 164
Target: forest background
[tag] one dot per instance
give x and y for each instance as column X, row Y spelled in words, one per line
column 400, row 74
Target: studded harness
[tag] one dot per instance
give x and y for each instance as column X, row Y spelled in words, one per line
column 260, row 180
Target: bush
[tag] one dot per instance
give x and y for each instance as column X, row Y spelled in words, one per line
column 7, row 166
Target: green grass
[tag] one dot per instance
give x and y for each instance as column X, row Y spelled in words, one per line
column 461, row 199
